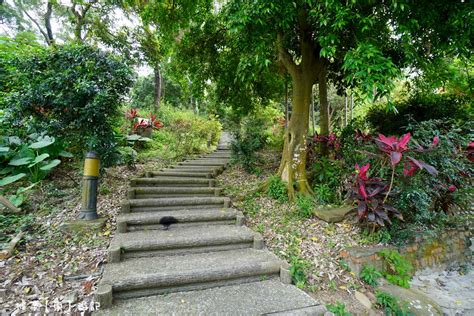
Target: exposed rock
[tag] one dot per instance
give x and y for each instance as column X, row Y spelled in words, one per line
column 332, row 214
column 84, row 226
column 453, row 291
column 364, row 300
column 417, row 302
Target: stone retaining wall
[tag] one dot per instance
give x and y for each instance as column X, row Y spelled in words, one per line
column 450, row 247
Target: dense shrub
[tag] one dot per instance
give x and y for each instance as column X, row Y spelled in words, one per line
column 248, row 140
column 73, row 92
column 254, row 132
column 329, row 179
column 184, row 133
column 419, row 108
column 423, row 198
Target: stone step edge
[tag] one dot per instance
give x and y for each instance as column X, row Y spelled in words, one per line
column 105, row 293
column 115, row 253
column 171, row 180
column 176, row 173
column 127, row 206
column 132, row 192
column 154, row 219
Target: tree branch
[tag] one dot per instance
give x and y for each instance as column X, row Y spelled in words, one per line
column 285, row 57
column 47, row 22
column 37, row 24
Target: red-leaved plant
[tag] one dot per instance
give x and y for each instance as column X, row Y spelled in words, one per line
column 371, row 193
column 142, row 123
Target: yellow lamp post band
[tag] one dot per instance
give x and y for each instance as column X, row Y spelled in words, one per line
column 90, row 182
column 91, row 165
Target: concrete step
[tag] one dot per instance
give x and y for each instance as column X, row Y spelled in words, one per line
column 211, row 158
column 176, row 203
column 217, row 154
column 139, row 277
column 214, row 163
column 199, row 169
column 270, row 297
column 172, row 182
column 179, row 173
column 213, row 172
column 167, row 192
column 181, row 240
column 178, row 218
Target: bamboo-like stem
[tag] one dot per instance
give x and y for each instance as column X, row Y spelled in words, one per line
column 391, row 184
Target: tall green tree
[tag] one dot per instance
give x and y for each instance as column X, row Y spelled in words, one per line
column 163, row 23
column 357, row 43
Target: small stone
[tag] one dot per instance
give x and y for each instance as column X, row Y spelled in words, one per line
column 71, row 297
column 363, row 299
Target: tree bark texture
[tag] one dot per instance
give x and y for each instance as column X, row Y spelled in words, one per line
column 47, row 23
column 157, row 95
column 292, row 168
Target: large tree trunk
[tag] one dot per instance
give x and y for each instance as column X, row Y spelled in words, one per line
column 303, row 75
column 157, row 96
column 293, row 163
column 324, row 109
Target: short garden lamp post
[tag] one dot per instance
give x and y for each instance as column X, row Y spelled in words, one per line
column 89, row 187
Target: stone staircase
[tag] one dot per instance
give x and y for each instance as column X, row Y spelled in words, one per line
column 177, row 234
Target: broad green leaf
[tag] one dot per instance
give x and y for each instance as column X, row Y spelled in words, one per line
column 133, row 137
column 65, row 154
column 42, row 143
column 15, row 140
column 50, row 165
column 38, row 159
column 6, row 170
column 20, row 161
column 11, row 179
column 4, row 149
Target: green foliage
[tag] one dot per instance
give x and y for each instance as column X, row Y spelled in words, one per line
column 328, row 178
column 324, row 194
column 420, row 108
column 397, row 269
column 277, row 189
column 370, row 275
column 369, row 70
column 339, row 309
column 424, row 198
column 297, row 271
column 391, row 305
column 248, row 139
column 304, row 205
column 33, row 157
column 73, row 92
column 28, row 159
column 142, row 93
column 184, row 133
column 379, row 236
